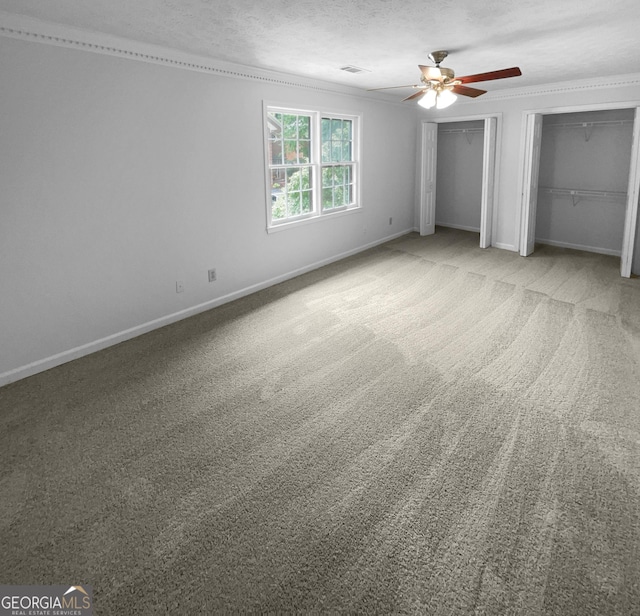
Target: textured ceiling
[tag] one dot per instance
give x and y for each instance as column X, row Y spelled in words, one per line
column 550, row 40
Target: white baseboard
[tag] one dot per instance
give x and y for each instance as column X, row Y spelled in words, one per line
column 601, row 251
column 97, row 345
column 504, row 246
column 460, row 227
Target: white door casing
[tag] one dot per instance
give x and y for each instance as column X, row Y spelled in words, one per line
column 427, row 160
column 488, row 181
column 631, row 212
column 531, row 158
column 529, row 195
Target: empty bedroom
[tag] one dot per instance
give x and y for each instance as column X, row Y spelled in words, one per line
column 317, row 308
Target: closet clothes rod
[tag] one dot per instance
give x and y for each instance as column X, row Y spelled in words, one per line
column 576, row 195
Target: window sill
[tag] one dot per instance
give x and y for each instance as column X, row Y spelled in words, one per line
column 312, row 219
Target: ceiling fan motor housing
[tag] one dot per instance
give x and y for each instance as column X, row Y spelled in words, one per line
column 436, row 76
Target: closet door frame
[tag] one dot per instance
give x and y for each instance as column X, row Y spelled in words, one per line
column 530, row 160
column 490, row 172
column 633, row 193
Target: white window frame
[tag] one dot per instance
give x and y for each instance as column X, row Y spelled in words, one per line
column 316, row 166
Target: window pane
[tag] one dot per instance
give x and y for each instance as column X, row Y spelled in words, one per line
column 326, row 152
column 336, row 130
column 278, row 180
column 291, row 151
column 347, row 174
column 305, row 151
column 293, row 180
column 290, row 126
column 304, row 130
column 326, row 129
column 274, row 124
column 279, row 207
column 327, row 198
column 294, row 202
column 275, row 149
column 305, row 181
column 306, row 202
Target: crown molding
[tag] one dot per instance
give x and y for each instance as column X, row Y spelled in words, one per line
column 561, row 87
column 30, row 29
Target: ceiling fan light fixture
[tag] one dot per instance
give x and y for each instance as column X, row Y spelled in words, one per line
column 445, row 98
column 428, row 100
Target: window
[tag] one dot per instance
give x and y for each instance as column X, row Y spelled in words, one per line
column 312, row 164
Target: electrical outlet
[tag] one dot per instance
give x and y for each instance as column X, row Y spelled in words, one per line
column 179, row 286
column 390, row 220
column 212, row 275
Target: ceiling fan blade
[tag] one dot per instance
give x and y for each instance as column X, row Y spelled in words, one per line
column 414, row 95
column 430, row 72
column 392, row 87
column 501, row 74
column 466, row 91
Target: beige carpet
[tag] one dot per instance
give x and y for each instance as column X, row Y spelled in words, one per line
column 424, row 428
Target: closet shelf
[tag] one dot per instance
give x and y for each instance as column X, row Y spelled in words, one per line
column 576, row 195
column 467, row 132
column 585, row 124
column 461, row 130
column 588, row 126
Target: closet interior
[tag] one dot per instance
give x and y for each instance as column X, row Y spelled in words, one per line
column 459, row 175
column 583, row 177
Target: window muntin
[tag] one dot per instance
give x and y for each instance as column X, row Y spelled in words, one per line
column 312, row 164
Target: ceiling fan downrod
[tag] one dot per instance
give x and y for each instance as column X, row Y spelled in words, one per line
column 438, row 56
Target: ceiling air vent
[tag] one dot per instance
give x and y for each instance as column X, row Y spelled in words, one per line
column 354, row 69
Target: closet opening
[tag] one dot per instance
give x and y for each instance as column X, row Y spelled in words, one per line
column 457, row 175
column 580, row 182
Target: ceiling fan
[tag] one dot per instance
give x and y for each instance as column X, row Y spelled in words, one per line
column 440, row 85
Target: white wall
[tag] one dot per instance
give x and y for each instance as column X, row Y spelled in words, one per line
column 459, row 175
column 512, row 105
column 120, row 177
